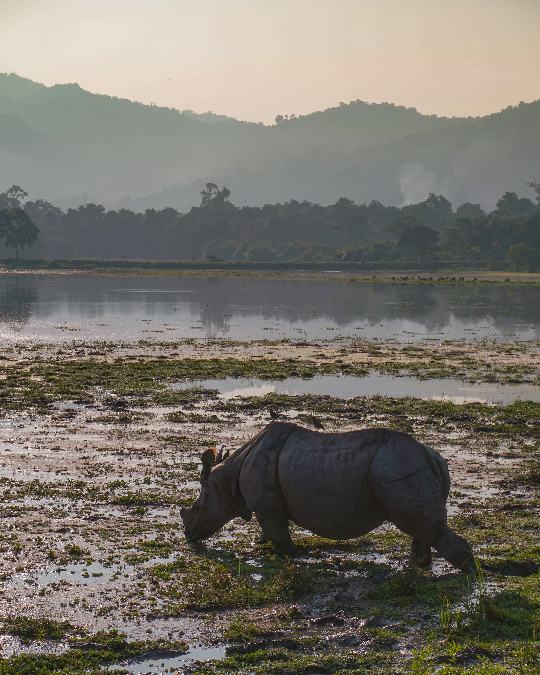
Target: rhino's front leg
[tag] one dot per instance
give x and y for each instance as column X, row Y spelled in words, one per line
column 421, row 553
column 274, row 523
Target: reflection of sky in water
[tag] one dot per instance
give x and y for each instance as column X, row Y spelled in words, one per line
column 374, row 384
column 59, row 308
column 166, row 663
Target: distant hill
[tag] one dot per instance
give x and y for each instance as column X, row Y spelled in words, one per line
column 69, row 145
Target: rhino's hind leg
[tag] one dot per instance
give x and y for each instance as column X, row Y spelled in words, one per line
column 455, row 549
column 421, row 553
column 274, row 523
column 417, row 506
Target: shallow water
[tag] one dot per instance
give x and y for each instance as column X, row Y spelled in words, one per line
column 85, row 574
column 76, row 573
column 75, row 307
column 374, row 384
column 160, row 664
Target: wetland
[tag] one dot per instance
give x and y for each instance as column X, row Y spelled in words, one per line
column 110, row 389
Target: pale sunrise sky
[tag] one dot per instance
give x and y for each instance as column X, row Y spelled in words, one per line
column 253, row 59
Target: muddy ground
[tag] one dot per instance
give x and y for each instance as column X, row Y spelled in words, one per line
column 99, row 453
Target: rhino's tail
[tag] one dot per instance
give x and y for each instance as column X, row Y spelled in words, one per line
column 440, row 469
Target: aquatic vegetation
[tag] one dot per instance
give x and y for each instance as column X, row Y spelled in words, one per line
column 86, row 654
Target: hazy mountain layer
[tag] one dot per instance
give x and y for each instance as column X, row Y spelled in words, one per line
column 69, row 145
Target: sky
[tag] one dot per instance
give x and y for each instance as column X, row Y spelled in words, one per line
column 254, row 59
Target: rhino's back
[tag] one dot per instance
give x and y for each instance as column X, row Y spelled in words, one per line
column 324, row 481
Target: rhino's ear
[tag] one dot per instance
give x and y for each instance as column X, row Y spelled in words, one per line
column 219, row 456
column 208, row 459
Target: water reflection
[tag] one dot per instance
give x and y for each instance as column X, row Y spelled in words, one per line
column 63, row 307
column 166, row 662
column 17, row 296
column 374, row 384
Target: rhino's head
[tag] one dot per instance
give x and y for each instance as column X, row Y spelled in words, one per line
column 217, row 503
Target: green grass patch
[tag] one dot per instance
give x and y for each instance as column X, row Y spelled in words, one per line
column 206, row 583
column 289, row 662
column 30, row 628
column 242, row 629
column 89, row 654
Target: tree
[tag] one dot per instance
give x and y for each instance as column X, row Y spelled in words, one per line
column 535, row 185
column 224, row 194
column 396, row 227
column 44, row 214
column 212, row 195
column 13, row 198
column 18, row 229
column 209, row 194
column 469, row 210
column 435, row 211
column 439, row 210
column 523, row 256
column 512, row 206
column 381, row 250
column 417, row 239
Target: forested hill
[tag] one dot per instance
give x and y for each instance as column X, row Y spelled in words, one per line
column 72, row 146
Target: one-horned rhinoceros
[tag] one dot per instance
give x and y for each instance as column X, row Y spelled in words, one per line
column 337, row 485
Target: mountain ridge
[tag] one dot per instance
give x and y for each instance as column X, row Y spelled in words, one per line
column 33, row 85
column 61, row 141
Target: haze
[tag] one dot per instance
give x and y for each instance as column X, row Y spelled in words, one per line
column 253, row 59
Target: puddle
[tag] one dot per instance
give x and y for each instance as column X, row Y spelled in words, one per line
column 374, row 384
column 76, row 573
column 169, row 662
column 83, row 574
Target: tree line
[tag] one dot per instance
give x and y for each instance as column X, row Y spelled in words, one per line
column 218, row 230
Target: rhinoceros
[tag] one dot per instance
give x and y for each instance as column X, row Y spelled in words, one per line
column 336, row 485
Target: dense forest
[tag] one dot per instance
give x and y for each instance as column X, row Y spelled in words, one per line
column 76, row 147
column 218, row 230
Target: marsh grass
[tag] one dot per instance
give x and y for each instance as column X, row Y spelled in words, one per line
column 30, row 628
column 38, row 384
column 468, row 615
column 84, row 653
column 206, row 583
column 280, row 660
column 242, row 629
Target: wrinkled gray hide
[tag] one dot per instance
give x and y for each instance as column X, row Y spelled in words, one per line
column 337, row 485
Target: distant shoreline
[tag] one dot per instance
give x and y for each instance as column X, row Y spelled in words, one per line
column 344, row 272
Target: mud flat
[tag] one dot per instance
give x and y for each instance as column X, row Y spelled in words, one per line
column 321, row 271
column 99, row 447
